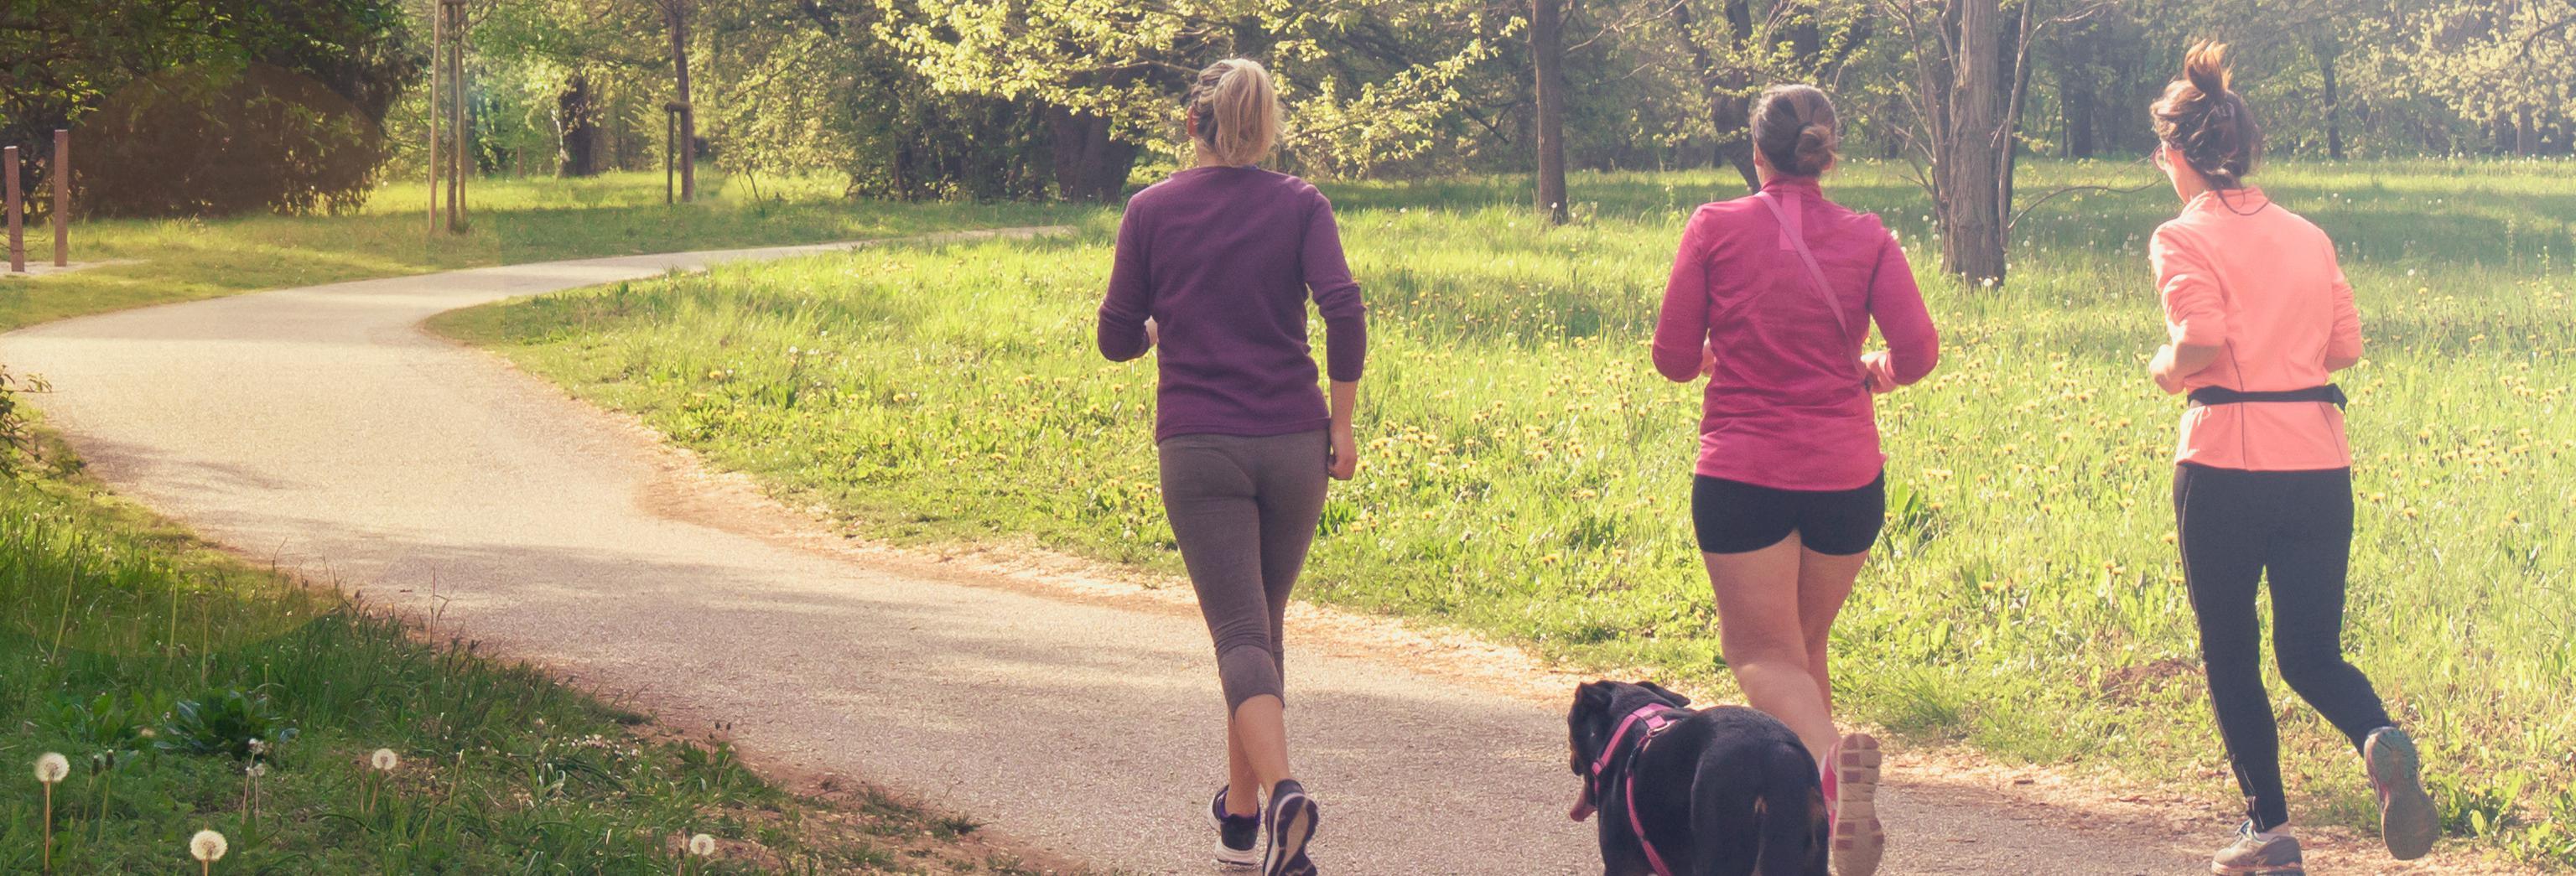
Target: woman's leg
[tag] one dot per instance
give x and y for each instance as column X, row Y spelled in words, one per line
column 1824, row 583
column 1209, row 495
column 2223, row 537
column 1765, row 644
column 2307, row 566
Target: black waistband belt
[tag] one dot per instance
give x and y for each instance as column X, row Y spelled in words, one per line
column 2220, row 395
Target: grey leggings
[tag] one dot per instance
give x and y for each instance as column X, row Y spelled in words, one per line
column 1244, row 512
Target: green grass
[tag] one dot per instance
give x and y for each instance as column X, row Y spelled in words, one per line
column 115, row 625
column 110, row 620
column 1525, row 473
column 514, row 221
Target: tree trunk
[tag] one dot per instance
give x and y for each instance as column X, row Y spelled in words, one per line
column 676, row 12
column 2075, row 93
column 1726, row 110
column 1089, row 164
column 1547, row 48
column 577, row 122
column 1971, row 210
column 2326, row 50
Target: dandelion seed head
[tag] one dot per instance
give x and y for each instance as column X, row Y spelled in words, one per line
column 51, row 768
column 702, row 845
column 385, row 759
column 257, row 770
column 207, row 846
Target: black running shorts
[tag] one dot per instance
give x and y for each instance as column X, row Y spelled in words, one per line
column 1733, row 517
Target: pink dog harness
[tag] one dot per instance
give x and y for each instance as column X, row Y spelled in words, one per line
column 1656, row 717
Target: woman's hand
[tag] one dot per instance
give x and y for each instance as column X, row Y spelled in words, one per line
column 1881, row 371
column 2162, row 369
column 1342, row 459
column 1153, row 334
column 1708, row 359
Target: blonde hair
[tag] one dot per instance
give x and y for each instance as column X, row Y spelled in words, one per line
column 1237, row 110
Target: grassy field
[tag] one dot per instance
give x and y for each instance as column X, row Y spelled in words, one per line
column 116, row 630
column 514, row 221
column 1526, row 473
column 150, row 660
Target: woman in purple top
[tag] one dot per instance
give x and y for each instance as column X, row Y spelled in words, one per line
column 1215, row 265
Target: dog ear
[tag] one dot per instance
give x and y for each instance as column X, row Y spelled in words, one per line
column 1677, row 700
column 1594, row 696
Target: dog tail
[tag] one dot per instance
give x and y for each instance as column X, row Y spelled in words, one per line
column 1791, row 810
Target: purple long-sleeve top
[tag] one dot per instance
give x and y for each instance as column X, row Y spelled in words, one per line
column 1223, row 259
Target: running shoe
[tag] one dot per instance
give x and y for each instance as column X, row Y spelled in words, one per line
column 1859, row 840
column 1290, row 822
column 1238, row 837
column 2252, row 855
column 2406, row 819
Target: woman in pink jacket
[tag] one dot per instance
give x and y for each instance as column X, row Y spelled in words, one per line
column 2259, row 315
column 1771, row 298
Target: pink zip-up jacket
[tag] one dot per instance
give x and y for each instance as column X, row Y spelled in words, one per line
column 2247, row 275
column 1787, row 407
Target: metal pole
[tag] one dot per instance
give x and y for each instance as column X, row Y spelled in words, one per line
column 17, row 234
column 62, row 197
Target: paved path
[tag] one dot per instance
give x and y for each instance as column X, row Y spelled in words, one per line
column 321, row 427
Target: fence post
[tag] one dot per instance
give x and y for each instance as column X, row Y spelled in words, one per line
column 17, row 217
column 62, row 171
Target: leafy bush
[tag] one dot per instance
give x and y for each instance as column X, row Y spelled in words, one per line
column 220, row 140
column 234, row 723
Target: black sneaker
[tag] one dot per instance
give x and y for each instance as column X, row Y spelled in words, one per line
column 1290, row 822
column 1237, row 836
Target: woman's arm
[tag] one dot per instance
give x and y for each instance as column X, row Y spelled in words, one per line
column 1343, row 457
column 1896, row 304
column 1127, row 308
column 1337, row 297
column 2195, row 311
column 1681, row 348
column 2173, row 362
column 2343, row 347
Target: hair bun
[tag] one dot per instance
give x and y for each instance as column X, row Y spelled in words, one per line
column 2206, row 68
column 1815, row 149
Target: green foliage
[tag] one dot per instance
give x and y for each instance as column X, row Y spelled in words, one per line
column 1524, row 472
column 280, row 97
column 233, row 723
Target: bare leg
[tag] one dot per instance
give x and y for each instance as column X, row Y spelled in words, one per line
column 1256, row 753
column 1764, row 641
column 1243, row 787
column 1824, row 583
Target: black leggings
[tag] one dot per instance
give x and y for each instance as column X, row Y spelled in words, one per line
column 2297, row 525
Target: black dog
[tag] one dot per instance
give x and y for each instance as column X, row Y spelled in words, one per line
column 1724, row 792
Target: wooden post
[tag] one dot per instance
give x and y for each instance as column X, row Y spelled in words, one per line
column 62, row 171
column 17, row 234
column 455, row 12
column 437, row 45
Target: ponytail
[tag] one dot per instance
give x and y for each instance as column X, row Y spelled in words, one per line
column 1236, row 109
column 2207, row 121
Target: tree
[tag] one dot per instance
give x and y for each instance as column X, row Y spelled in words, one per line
column 1547, row 53
column 1365, row 83
column 1971, row 62
column 675, row 13
column 348, row 60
